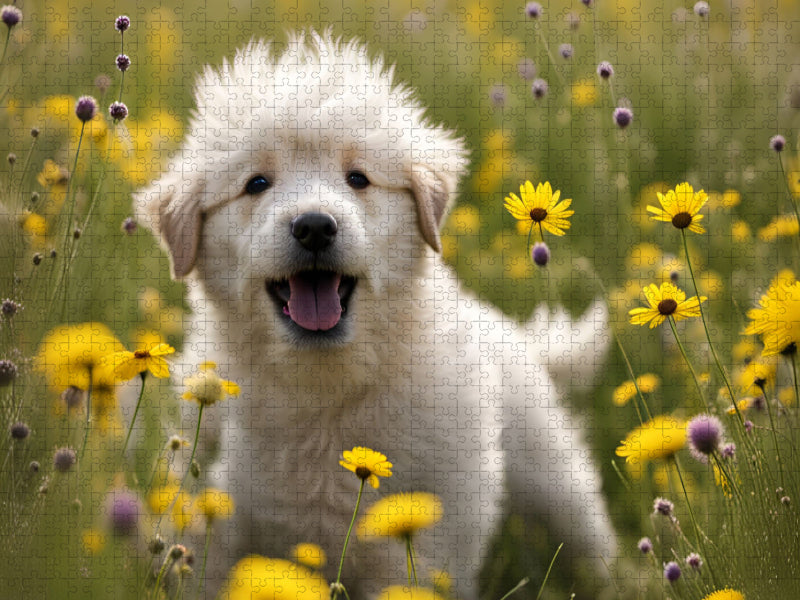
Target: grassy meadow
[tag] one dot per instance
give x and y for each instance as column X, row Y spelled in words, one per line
column 711, row 425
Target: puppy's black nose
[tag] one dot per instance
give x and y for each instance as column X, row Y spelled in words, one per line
column 315, row 231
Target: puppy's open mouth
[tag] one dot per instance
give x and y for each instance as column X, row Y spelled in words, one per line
column 314, row 300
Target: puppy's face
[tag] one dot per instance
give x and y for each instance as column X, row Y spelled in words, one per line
column 307, row 191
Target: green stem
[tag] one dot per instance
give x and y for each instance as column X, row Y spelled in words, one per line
column 88, row 413
column 786, row 183
column 167, row 562
column 760, row 386
column 705, row 328
column 412, row 570
column 546, row 575
column 686, row 359
column 347, row 540
column 143, row 375
column 549, row 54
column 522, row 583
column 796, row 384
column 205, row 558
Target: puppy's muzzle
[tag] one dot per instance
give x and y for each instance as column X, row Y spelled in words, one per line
column 315, row 231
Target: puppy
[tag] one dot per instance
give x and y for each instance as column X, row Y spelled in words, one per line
column 303, row 212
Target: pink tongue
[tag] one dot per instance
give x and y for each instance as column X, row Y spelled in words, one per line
column 314, row 300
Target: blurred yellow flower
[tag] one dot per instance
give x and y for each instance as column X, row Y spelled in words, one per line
column 740, row 232
column 259, row 578
column 777, row 319
column 35, row 226
column 464, row 219
column 665, row 301
column 731, row 198
column 787, row 397
column 744, row 350
column 758, row 370
column 69, row 353
column 214, row 504
column 400, row 515
column 725, row 594
column 366, row 464
column 206, row 387
column 584, row 92
column 780, row 226
column 644, row 257
column 647, row 383
column 743, row 405
column 680, row 207
column 93, row 541
column 128, row 365
column 660, row 438
column 540, row 206
column 308, row 555
column 402, row 592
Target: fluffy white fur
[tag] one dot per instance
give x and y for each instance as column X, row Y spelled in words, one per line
column 456, row 394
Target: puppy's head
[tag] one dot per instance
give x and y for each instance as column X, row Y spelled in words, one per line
column 309, row 183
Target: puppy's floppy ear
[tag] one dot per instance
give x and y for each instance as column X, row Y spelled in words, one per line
column 433, row 192
column 172, row 210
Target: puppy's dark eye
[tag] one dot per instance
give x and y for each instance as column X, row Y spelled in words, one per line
column 357, row 180
column 257, row 184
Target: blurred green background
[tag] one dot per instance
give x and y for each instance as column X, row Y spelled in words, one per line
column 707, row 95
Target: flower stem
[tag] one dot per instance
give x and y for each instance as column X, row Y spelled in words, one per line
column 688, row 362
column 143, row 375
column 162, row 571
column 760, row 386
column 88, row 413
column 337, row 585
column 546, row 575
column 412, row 571
column 205, row 557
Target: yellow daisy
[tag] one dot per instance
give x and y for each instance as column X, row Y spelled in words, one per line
column 759, row 371
column 366, row 464
column 206, row 387
column 665, row 301
column 128, row 365
column 660, row 438
column 726, row 594
column 680, row 207
column 308, row 555
column 69, row 353
column 402, row 592
column 400, row 515
column 214, row 504
column 273, row 579
column 777, row 319
column 647, row 383
column 540, row 206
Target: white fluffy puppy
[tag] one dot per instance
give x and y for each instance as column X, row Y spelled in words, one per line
column 304, row 212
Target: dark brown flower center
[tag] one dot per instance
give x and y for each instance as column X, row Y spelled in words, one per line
column 682, row 220
column 667, row 306
column 363, row 472
column 538, row 215
column 141, row 354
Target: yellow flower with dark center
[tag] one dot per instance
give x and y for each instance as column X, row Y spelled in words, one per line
column 69, row 353
column 308, row 555
column 647, row 383
column 214, row 504
column 665, row 301
column 680, row 207
column 540, row 206
column 258, row 578
column 759, row 372
column 726, row 594
column 400, row 515
column 780, row 226
column 660, row 438
column 367, row 464
column 128, row 365
column 777, row 319
column 402, row 592
column 206, row 387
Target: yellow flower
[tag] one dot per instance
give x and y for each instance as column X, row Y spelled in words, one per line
column 402, row 592
column 400, row 515
column 93, row 541
column 777, row 319
column 206, row 387
column 35, row 226
column 69, row 353
column 761, row 370
column 540, row 206
column 258, row 578
column 128, row 365
column 660, row 438
column 740, row 232
column 726, row 594
column 584, row 92
column 366, row 464
column 780, row 226
column 308, row 555
column 161, row 497
column 647, row 383
column 743, row 405
column 214, row 504
column 680, row 207
column 666, row 301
